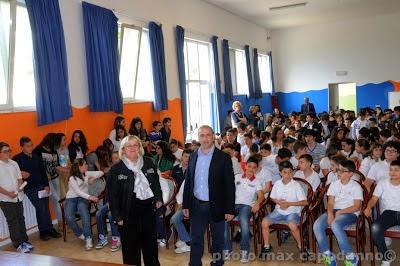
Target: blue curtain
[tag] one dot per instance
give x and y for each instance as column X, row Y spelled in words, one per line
column 180, row 43
column 249, row 75
column 101, row 43
column 158, row 65
column 217, row 82
column 257, row 82
column 272, row 73
column 50, row 61
column 227, row 71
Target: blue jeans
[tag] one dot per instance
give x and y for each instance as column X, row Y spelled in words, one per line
column 177, row 221
column 103, row 212
column 244, row 213
column 388, row 219
column 276, row 217
column 337, row 226
column 81, row 206
column 43, row 216
column 200, row 217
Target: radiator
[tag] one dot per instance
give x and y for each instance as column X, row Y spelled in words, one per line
column 29, row 214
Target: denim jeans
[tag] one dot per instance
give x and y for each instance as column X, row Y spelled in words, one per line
column 385, row 221
column 55, row 189
column 244, row 213
column 43, row 216
column 177, row 221
column 338, row 225
column 80, row 205
column 100, row 215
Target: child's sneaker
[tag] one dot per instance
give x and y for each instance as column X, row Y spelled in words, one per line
column 244, row 258
column 23, row 248
column 161, row 243
column 102, row 242
column 82, row 237
column 329, row 260
column 179, row 243
column 385, row 263
column 115, row 244
column 265, row 251
column 182, row 249
column 28, row 245
column 89, row 243
column 353, row 262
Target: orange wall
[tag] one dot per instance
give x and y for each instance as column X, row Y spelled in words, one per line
column 96, row 126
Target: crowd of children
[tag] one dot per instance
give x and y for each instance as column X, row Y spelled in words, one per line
column 267, row 153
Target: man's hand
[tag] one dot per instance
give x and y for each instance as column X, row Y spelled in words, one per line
column 284, row 205
column 158, row 204
column 47, row 188
column 185, row 212
column 94, row 198
column 338, row 213
column 25, row 174
column 229, row 217
column 12, row 195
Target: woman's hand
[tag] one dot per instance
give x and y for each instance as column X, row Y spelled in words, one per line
column 94, row 199
column 158, row 204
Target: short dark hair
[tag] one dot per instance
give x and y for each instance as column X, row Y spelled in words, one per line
column 166, row 120
column 284, row 153
column 287, row 141
column 307, row 157
column 241, row 125
column 229, row 146
column 266, row 147
column 174, row 141
column 155, row 123
column 254, row 148
column 248, row 135
column 253, row 159
column 338, row 158
column 187, row 151
column 23, row 140
column 392, row 144
column 386, row 133
column 395, row 163
column 257, row 132
column 299, row 145
column 396, row 108
column 349, row 165
column 3, row 144
column 285, row 165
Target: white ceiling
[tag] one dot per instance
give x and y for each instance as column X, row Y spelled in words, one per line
column 316, row 11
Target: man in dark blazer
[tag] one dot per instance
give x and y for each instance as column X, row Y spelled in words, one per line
column 307, row 107
column 208, row 197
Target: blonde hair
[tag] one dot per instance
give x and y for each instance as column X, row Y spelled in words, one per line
column 124, row 142
column 235, row 103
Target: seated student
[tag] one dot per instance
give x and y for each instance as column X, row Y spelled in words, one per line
column 265, row 137
column 241, row 131
column 164, row 158
column 166, row 129
column 384, row 135
column 263, row 174
column 78, row 146
column 34, row 172
column 362, row 148
column 288, row 143
column 174, row 146
column 155, row 135
column 230, row 139
column 375, row 156
column 178, row 172
column 335, row 162
column 344, row 203
column 183, row 244
column 245, row 149
column 11, row 199
column 268, row 159
column 118, row 121
column 299, row 148
column 283, row 155
column 249, row 195
column 380, row 171
column 99, row 160
column 306, row 172
column 324, row 164
column 349, row 149
column 120, row 134
column 289, row 198
column 388, row 192
column 276, row 140
column 256, row 133
column 315, row 149
column 77, row 200
column 195, row 145
column 230, row 149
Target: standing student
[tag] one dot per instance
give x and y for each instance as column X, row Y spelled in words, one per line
column 34, row 174
column 208, row 197
column 11, row 200
column 135, row 193
column 166, row 129
column 344, row 203
column 78, row 146
column 388, row 193
column 77, row 200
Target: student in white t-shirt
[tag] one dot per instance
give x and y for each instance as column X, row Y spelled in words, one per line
column 11, row 197
column 283, row 155
column 348, row 149
column 335, row 162
column 245, row 149
column 268, row 159
column 263, row 175
column 388, row 193
column 230, row 150
column 174, row 146
column 374, row 157
column 299, row 148
column 345, row 197
column 289, row 197
column 306, row 172
column 248, row 197
column 380, row 171
column 325, row 164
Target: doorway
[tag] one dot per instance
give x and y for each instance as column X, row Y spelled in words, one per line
column 342, row 96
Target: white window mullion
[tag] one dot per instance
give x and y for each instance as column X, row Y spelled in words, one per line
column 12, row 54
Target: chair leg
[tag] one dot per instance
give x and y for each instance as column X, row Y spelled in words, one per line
column 208, row 238
column 330, row 242
column 278, row 235
column 255, row 237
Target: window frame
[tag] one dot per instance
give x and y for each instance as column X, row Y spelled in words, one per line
column 267, row 56
column 9, row 106
column 235, row 90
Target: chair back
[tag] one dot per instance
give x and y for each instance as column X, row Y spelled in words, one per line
column 307, row 188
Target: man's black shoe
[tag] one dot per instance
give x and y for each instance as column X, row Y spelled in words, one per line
column 264, row 252
column 53, row 233
column 44, row 236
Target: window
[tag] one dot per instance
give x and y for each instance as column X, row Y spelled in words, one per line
column 240, row 84
column 136, row 76
column 265, row 73
column 17, row 84
column 199, row 92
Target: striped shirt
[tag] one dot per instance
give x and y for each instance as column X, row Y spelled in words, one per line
column 317, row 153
